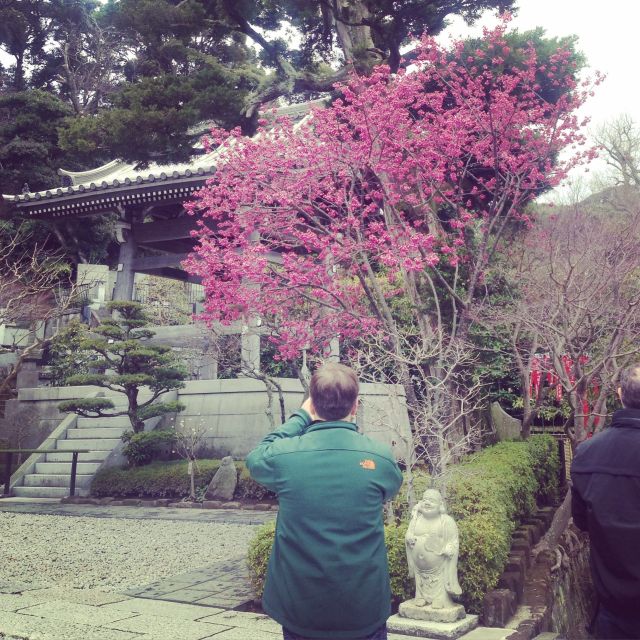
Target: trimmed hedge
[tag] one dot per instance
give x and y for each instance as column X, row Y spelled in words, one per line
column 170, row 480
column 489, row 494
column 258, row 556
column 145, row 447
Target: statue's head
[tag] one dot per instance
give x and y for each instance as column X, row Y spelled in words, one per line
column 432, row 502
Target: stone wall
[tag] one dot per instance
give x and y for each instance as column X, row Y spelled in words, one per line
column 232, row 413
column 31, row 417
column 573, row 594
column 534, row 596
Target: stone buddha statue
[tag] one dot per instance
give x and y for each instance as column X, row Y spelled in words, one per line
column 432, row 553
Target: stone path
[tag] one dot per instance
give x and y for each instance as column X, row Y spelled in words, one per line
column 197, row 605
column 224, row 584
column 226, row 516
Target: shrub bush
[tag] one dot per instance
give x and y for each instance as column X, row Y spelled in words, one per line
column 488, row 494
column 171, row 480
column 145, row 447
column 248, row 488
column 546, row 466
column 155, row 480
column 258, row 556
column 402, row 586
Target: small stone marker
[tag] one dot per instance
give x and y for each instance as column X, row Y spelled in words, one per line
column 505, row 426
column 223, row 483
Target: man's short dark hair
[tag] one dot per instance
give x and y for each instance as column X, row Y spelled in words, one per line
column 334, row 388
column 630, row 387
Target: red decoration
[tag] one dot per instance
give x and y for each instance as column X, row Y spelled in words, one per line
column 543, row 365
column 536, row 378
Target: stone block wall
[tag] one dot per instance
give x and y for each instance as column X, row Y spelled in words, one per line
column 34, row 414
column 232, row 413
column 538, row 595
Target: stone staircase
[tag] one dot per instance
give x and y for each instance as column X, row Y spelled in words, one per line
column 52, row 477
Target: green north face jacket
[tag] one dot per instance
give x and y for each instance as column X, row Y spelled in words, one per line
column 327, row 575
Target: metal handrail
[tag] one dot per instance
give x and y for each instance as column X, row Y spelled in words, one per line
column 9, row 459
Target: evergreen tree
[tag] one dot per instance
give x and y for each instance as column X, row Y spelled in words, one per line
column 29, row 147
column 129, row 363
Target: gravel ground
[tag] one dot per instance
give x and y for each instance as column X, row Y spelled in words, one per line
column 111, row 554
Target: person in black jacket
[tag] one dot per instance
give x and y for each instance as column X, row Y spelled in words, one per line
column 605, row 493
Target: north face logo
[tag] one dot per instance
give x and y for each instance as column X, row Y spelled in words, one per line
column 368, row 464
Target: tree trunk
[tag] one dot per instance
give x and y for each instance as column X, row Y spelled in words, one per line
column 560, row 522
column 355, row 41
column 18, row 77
column 192, row 473
column 132, row 412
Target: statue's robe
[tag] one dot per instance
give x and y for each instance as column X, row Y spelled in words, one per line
column 440, row 534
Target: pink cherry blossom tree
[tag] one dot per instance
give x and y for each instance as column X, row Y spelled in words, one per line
column 383, row 211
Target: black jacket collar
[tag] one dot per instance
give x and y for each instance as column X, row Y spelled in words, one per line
column 628, row 418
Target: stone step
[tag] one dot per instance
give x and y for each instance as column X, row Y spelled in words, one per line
column 93, row 456
column 46, row 480
column 102, row 444
column 46, row 492
column 64, row 468
column 97, row 432
column 92, row 423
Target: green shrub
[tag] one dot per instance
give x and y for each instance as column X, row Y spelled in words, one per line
column 502, row 473
column 488, row 494
column 546, row 466
column 155, row 480
column 258, row 556
column 145, row 447
column 171, row 480
column 484, row 549
column 402, row 586
column 248, row 488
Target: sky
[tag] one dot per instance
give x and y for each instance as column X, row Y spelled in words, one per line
column 609, row 35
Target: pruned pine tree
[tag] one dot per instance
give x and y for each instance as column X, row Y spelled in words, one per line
column 129, row 363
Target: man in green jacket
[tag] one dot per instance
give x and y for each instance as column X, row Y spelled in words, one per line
column 328, row 575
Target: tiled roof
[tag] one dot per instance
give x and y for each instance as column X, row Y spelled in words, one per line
column 118, row 174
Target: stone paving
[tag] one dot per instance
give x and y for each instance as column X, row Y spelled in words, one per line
column 224, row 584
column 227, row 516
column 198, row 605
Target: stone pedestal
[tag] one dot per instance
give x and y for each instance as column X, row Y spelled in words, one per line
column 409, row 609
column 447, row 623
column 430, row 628
column 27, row 376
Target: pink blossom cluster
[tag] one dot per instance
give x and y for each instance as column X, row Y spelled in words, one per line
column 312, row 226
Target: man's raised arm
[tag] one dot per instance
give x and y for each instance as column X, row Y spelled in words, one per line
column 259, row 460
